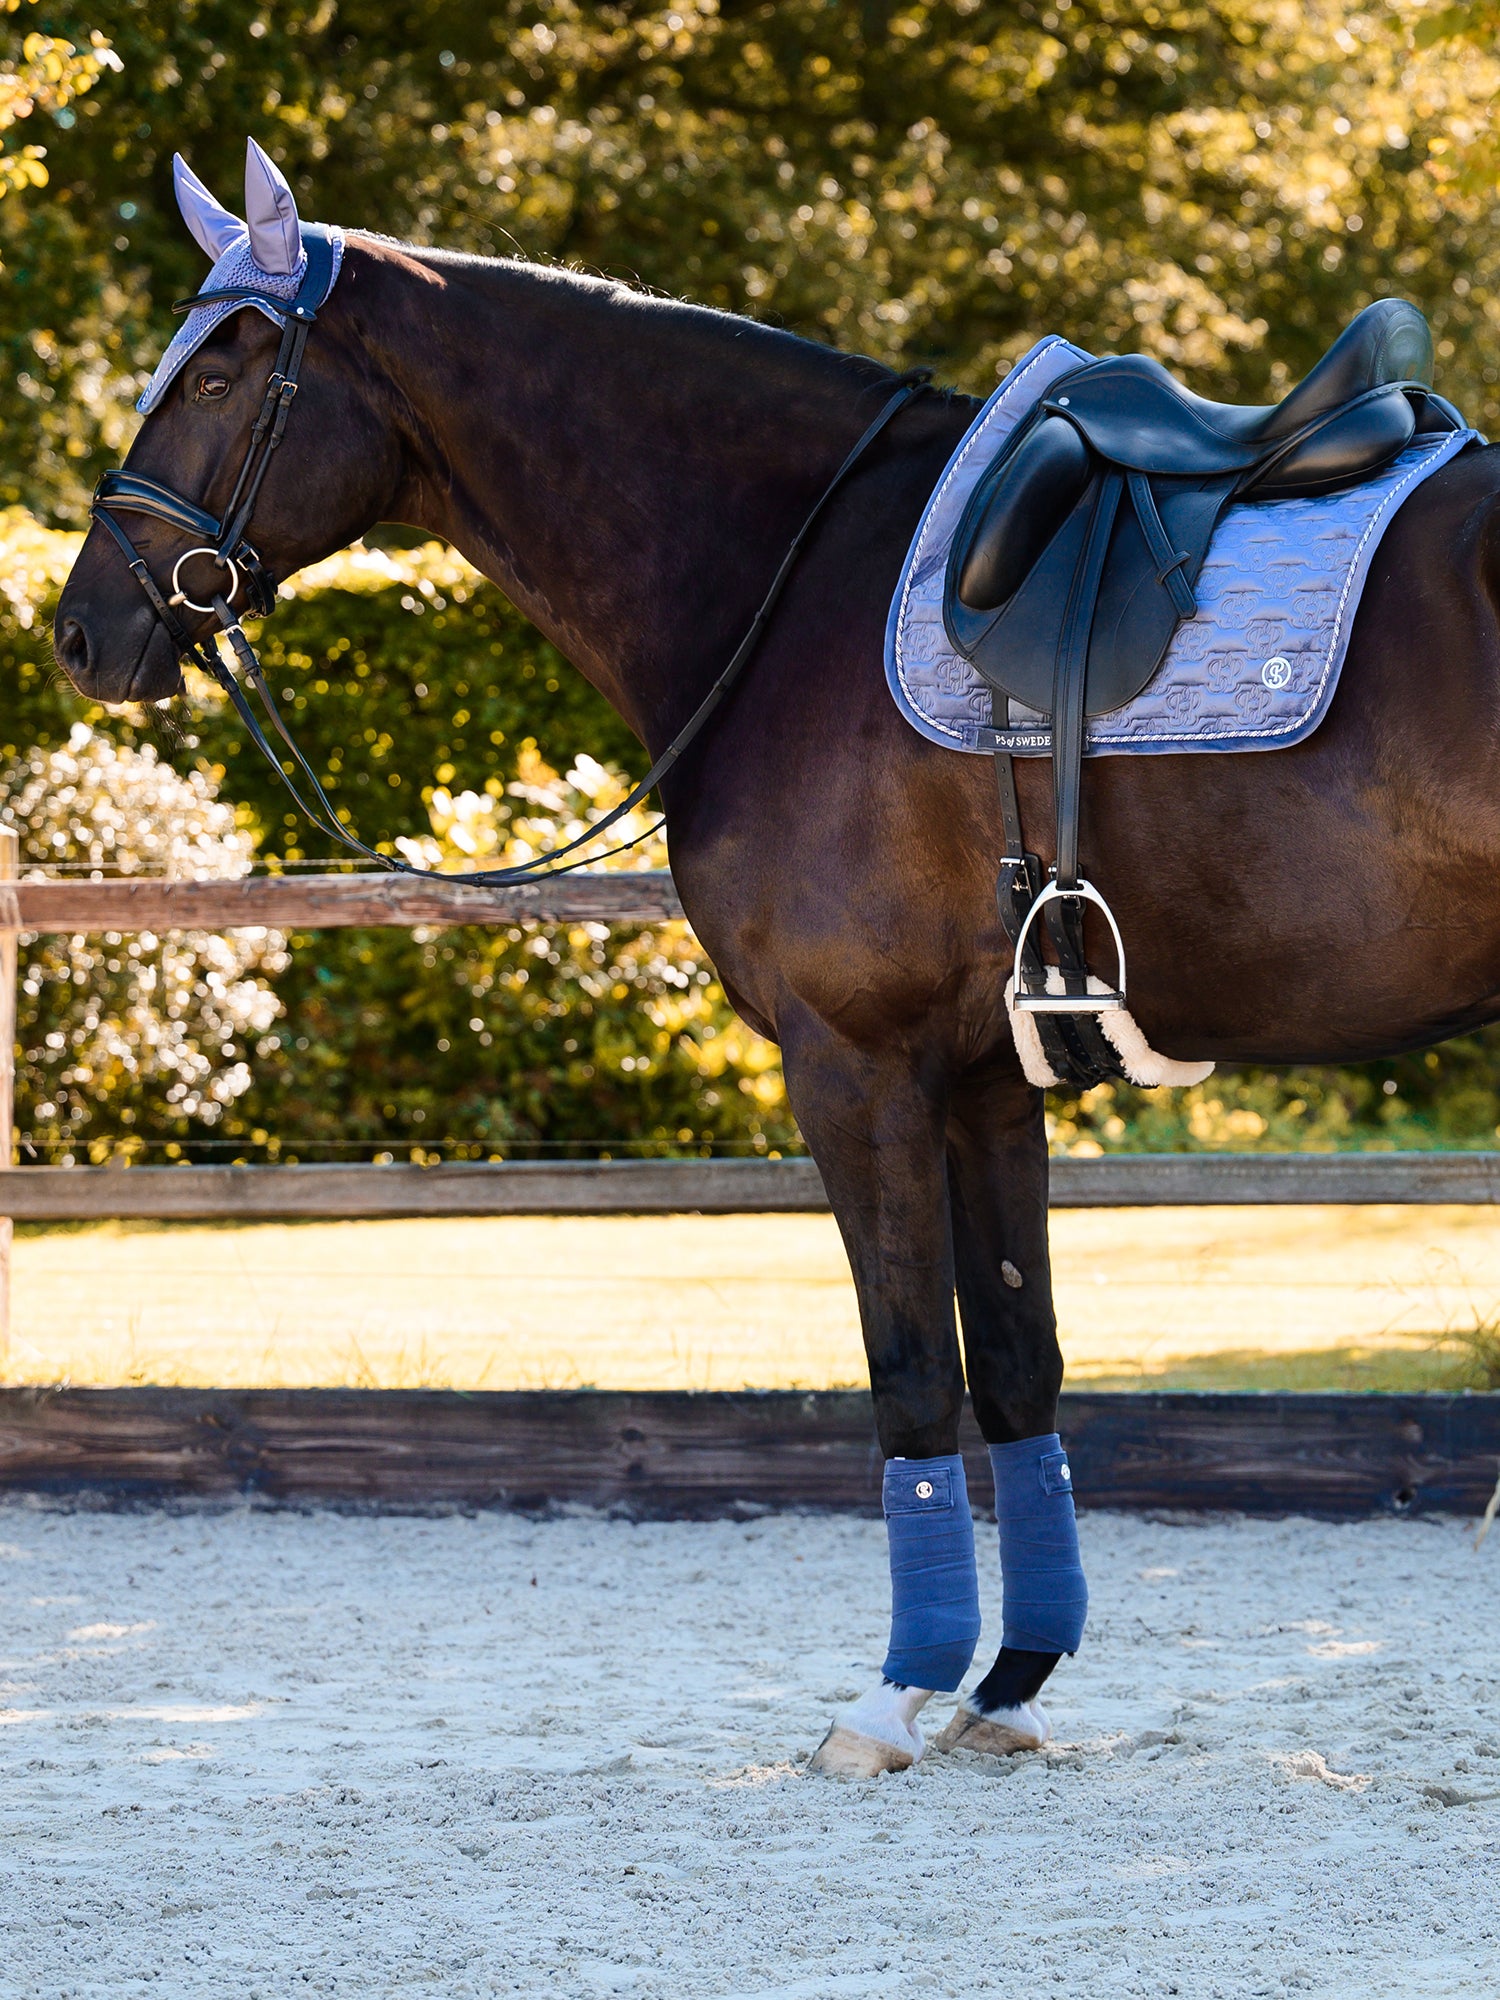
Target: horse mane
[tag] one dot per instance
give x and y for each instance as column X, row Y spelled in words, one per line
column 487, row 273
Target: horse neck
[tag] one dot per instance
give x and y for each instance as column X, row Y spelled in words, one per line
column 629, row 470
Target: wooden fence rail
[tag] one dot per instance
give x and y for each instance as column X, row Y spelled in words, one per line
column 333, row 902
column 671, row 1454
column 582, row 1187
column 707, row 1187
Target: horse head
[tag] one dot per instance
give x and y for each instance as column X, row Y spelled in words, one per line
column 319, row 478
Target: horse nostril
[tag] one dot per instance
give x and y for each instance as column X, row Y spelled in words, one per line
column 70, row 642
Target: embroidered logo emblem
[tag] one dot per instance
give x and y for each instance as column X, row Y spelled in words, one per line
column 1277, row 672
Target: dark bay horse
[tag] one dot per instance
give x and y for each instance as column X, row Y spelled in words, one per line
column 630, row 471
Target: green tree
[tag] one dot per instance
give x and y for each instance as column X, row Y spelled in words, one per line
column 1221, row 184
column 942, row 180
column 46, row 74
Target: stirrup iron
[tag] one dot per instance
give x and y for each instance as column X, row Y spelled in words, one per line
column 1034, row 1000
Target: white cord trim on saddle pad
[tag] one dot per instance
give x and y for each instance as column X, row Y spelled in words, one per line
column 1143, row 1066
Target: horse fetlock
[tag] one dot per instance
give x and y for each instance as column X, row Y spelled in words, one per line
column 1016, row 1678
column 999, row 1732
column 877, row 1733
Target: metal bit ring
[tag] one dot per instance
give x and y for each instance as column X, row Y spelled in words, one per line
column 180, row 596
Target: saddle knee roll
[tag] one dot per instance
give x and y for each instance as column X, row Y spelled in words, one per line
column 934, row 1582
column 1017, row 509
column 1046, row 1596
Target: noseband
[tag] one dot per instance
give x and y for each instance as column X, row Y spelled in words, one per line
column 225, row 541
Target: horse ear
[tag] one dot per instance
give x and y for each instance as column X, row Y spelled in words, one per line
column 275, row 233
column 213, row 227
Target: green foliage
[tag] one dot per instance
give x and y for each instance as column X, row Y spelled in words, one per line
column 1444, row 1098
column 388, row 690
column 1218, row 182
column 122, row 1037
column 584, row 1039
column 44, row 74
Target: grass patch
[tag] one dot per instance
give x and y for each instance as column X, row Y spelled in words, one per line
column 1378, row 1370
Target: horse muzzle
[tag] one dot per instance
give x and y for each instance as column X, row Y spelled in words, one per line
column 121, row 655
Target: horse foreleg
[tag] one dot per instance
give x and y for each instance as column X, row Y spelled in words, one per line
column 997, row 1172
column 875, row 1124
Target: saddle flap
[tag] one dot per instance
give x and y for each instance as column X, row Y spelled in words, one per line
column 1015, row 647
column 1136, row 614
column 1016, row 509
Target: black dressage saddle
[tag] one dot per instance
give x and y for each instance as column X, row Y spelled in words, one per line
column 1075, row 559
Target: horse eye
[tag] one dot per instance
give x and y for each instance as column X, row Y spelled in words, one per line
column 211, row 387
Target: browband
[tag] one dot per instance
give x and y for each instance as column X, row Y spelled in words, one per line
column 317, row 283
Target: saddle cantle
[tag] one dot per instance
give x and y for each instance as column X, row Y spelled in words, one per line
column 1075, row 559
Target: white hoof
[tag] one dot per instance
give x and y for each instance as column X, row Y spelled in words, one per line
column 1001, row 1733
column 878, row 1733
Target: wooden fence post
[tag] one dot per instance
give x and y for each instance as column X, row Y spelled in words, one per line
column 10, row 868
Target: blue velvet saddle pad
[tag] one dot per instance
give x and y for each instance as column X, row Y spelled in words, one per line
column 1255, row 670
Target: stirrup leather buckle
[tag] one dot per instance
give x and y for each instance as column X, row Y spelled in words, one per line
column 1031, row 1000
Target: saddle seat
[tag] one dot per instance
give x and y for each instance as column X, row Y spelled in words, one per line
column 1136, row 414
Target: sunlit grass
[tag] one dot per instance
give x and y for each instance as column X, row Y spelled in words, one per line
column 1426, row 1365
column 1326, row 1298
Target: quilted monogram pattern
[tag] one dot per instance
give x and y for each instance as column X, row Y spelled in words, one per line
column 1255, row 670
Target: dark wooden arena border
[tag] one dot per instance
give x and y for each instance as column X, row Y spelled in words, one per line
column 672, row 1455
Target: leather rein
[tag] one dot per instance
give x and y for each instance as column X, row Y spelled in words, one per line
column 225, row 541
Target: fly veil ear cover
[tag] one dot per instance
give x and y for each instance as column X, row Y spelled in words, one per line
column 213, row 228
column 265, row 251
column 271, row 226
column 270, row 215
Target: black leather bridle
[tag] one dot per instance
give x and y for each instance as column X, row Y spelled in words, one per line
column 226, row 541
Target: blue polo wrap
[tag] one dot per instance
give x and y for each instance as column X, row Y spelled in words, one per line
column 1046, row 1597
column 934, row 1584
